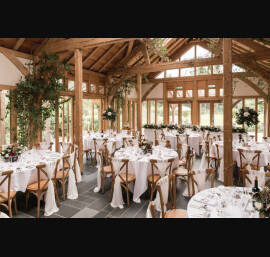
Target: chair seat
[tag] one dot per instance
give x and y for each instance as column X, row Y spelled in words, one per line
column 156, row 178
column 130, row 177
column 86, row 150
column 34, row 186
column 212, row 156
column 176, row 214
column 60, row 174
column 107, row 169
column 5, row 196
column 180, row 172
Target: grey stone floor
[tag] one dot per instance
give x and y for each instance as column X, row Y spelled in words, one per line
column 95, row 205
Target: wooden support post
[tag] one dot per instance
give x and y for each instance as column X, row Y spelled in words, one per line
column 118, row 117
column 227, row 80
column 133, row 115
column 139, row 106
column 148, row 106
column 63, row 122
column 2, row 116
column 57, row 147
column 165, row 105
column 68, row 135
column 13, row 124
column 72, row 121
column 79, row 104
column 129, row 113
column 195, row 105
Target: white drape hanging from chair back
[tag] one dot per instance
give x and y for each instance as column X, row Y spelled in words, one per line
column 162, row 166
column 99, row 143
column 44, row 145
column 66, row 146
column 3, row 216
column 252, row 174
column 117, row 200
column 50, row 205
column 78, row 170
column 164, row 186
column 199, row 177
column 72, row 192
column 99, row 161
column 221, row 168
column 148, row 212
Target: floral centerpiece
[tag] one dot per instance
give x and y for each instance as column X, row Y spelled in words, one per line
column 261, row 202
column 145, row 146
column 11, row 151
column 247, row 116
column 239, row 130
column 195, row 128
column 109, row 114
column 181, row 130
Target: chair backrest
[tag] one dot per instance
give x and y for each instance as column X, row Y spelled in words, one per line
column 6, row 176
column 133, row 142
column 199, row 177
column 183, row 139
column 40, row 169
column 101, row 160
column 123, row 166
column 66, row 147
column 171, row 193
column 125, row 142
column 249, row 177
column 99, row 142
column 164, row 143
column 242, row 155
column 219, row 137
column 167, row 168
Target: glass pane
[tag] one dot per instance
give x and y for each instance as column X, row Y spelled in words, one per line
column 188, row 93
column 221, row 91
column 172, row 73
column 201, row 92
column 251, row 104
column 160, row 112
column 205, row 114
column 71, row 85
column 92, row 88
column 218, row 114
column 96, row 116
column 186, row 114
column 121, row 117
column 261, row 118
column 211, row 92
column 170, row 94
column 144, row 112
column 235, row 110
column 236, row 68
column 101, row 90
column 173, row 113
column 217, row 69
column 187, row 72
column 84, row 87
column 161, row 75
column 179, row 93
column 152, row 111
column 190, row 54
column 203, row 70
column 202, row 52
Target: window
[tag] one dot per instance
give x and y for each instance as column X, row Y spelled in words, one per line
column 217, row 69
column 179, row 93
column 221, row 91
column 170, row 94
column 188, row 93
column 152, row 112
column 212, row 92
column 92, row 88
column 161, row 75
column 201, row 92
column 159, row 112
column 202, row 52
column 172, row 73
column 71, row 85
column 187, row 72
column 84, row 87
column 218, row 114
column 144, row 112
column 205, row 70
column 190, row 54
column 173, row 113
column 236, row 68
column 186, row 114
column 205, row 114
column 101, row 90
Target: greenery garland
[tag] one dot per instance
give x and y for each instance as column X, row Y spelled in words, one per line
column 35, row 97
column 247, row 116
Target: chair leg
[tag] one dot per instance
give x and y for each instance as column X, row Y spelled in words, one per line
column 10, row 208
column 64, row 190
column 127, row 192
column 102, row 184
column 152, row 192
column 38, row 206
column 26, row 200
column 15, row 205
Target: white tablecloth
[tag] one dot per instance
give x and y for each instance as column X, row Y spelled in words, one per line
column 149, row 134
column 142, row 169
column 235, row 208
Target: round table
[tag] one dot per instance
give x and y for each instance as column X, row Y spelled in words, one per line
column 140, row 166
column 194, row 141
column 222, row 202
column 25, row 171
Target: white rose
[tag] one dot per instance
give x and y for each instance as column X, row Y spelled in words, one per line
column 258, row 205
column 109, row 113
column 143, row 147
column 246, row 114
column 3, row 153
column 6, row 155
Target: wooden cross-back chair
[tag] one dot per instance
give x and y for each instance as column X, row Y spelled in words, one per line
column 8, row 196
column 243, row 165
column 138, row 135
column 69, row 147
column 125, row 142
column 183, row 159
column 209, row 172
column 265, row 139
column 39, row 188
column 61, row 176
column 105, row 140
column 210, row 157
column 37, row 145
column 219, row 137
column 167, row 145
column 154, row 178
column 171, row 204
column 104, row 170
column 184, row 173
column 125, row 179
column 245, row 177
column 76, row 156
column 106, row 152
column 179, row 140
column 162, row 135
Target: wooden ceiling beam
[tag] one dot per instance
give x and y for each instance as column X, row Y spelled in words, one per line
column 16, row 53
column 249, row 42
column 89, row 56
column 18, row 44
column 129, row 49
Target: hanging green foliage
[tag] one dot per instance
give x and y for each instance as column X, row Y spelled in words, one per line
column 36, row 96
column 157, row 45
